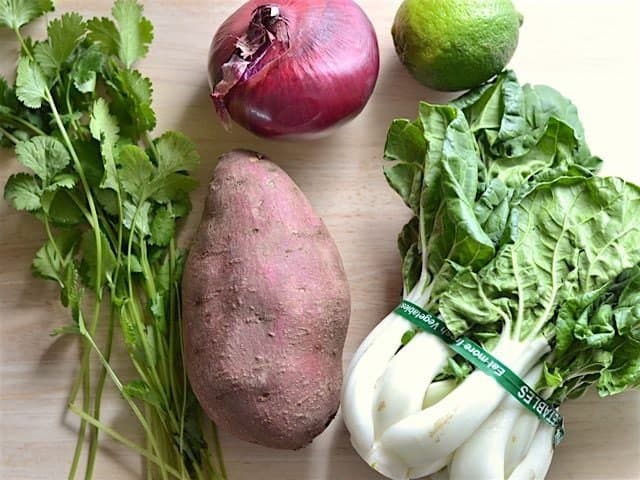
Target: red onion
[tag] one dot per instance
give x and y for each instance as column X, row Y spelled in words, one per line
column 292, row 68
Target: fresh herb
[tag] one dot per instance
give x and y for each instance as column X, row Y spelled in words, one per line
column 109, row 196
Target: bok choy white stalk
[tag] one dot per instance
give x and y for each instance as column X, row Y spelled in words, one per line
column 595, row 344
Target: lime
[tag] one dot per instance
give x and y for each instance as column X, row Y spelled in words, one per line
column 455, row 44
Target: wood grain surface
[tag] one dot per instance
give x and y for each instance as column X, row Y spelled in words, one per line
column 586, row 49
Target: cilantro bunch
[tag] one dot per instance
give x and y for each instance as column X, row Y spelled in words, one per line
column 109, row 196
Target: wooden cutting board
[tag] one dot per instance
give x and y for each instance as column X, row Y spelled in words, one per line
column 587, row 49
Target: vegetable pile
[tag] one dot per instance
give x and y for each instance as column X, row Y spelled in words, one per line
column 517, row 244
column 517, row 248
column 109, row 197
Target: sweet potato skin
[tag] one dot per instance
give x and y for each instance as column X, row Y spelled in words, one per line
column 266, row 307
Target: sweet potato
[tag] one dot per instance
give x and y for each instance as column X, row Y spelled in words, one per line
column 266, row 306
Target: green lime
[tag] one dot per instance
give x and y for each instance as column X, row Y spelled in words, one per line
column 455, row 44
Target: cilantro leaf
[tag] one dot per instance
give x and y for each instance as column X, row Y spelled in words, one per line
column 16, row 13
column 129, row 331
column 71, row 293
column 51, row 260
column 136, row 171
column 102, row 125
column 136, row 32
column 104, row 33
column 137, row 216
column 158, row 310
column 104, row 128
column 163, row 227
column 142, row 180
column 89, row 265
column 11, row 108
column 64, row 35
column 7, row 97
column 131, row 93
column 173, row 188
column 140, row 390
column 84, row 70
column 43, row 55
column 63, row 211
column 63, row 180
column 31, row 85
column 46, row 156
column 108, row 200
column 181, row 207
column 164, row 274
column 45, row 200
column 133, row 261
column 90, row 158
column 70, row 329
column 23, row 192
column 176, row 153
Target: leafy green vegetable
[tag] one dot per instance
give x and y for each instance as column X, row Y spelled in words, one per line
column 514, row 235
column 566, row 274
column 598, row 340
column 23, row 192
column 516, row 243
column 64, row 35
column 31, row 85
column 16, row 13
column 109, row 196
column 448, row 168
column 136, row 32
column 46, row 156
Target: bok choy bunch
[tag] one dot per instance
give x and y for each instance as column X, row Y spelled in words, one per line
column 516, row 244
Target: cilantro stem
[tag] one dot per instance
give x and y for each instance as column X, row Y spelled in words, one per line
column 23, row 44
column 23, row 123
column 148, row 274
column 47, row 227
column 149, row 470
column 85, row 213
column 152, row 146
column 185, row 383
column 130, row 248
column 174, row 314
column 163, row 376
column 118, row 383
column 85, row 366
column 74, row 123
column 86, row 397
column 93, row 439
column 83, row 377
column 218, row 449
column 126, row 442
column 138, row 320
column 7, row 134
column 73, row 393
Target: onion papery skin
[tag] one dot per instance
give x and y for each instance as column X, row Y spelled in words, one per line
column 318, row 73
